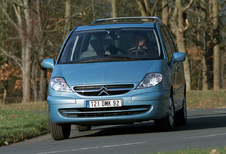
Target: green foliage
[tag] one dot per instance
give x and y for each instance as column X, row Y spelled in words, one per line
column 16, row 126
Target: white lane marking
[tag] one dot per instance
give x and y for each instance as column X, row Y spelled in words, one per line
column 205, row 136
column 89, row 148
column 219, row 111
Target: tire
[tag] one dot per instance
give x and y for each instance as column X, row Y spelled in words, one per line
column 167, row 123
column 181, row 116
column 59, row 132
column 82, row 128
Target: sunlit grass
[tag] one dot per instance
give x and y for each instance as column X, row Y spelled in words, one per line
column 20, row 121
column 31, row 106
column 206, row 99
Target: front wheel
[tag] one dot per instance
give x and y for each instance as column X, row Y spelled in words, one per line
column 168, row 122
column 59, row 132
column 181, row 116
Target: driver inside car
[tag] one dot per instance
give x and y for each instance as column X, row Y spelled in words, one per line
column 142, row 47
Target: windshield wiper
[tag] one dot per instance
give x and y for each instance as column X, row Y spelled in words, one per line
column 106, row 58
column 119, row 57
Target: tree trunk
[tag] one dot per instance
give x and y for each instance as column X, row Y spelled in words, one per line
column 216, row 50
column 4, row 97
column 165, row 11
column 43, row 76
column 42, row 39
column 222, row 69
column 203, row 14
column 34, row 83
column 181, row 48
column 27, row 54
column 204, row 75
column 114, row 6
column 67, row 18
column 216, row 67
column 26, row 47
column 43, row 85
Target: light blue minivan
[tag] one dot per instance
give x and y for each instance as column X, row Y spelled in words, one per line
column 116, row 71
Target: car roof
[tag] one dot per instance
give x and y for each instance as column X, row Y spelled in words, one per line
column 109, row 23
column 110, row 26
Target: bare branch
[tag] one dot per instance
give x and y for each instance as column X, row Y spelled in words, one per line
column 188, row 6
column 147, row 6
column 170, row 9
column 187, row 25
column 20, row 4
column 153, row 9
column 10, row 19
column 16, row 59
column 141, row 8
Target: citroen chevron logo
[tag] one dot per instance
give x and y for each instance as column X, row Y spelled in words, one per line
column 103, row 90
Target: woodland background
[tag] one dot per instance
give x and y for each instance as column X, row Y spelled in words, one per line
column 32, row 30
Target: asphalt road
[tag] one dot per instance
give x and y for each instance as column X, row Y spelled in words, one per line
column 206, row 128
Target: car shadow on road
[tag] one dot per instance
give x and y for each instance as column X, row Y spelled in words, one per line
column 204, row 122
column 195, row 122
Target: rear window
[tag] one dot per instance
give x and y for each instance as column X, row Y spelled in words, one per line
column 111, row 45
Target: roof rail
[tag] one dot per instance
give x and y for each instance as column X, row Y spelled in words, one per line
column 124, row 18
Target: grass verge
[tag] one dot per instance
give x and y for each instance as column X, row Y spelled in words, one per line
column 206, row 99
column 17, row 125
column 198, row 151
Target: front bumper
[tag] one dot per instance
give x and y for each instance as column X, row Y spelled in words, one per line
column 136, row 108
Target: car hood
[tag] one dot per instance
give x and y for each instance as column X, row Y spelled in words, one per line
column 107, row 72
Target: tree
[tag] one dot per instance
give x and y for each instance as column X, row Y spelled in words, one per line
column 23, row 14
column 40, row 54
column 165, row 12
column 114, row 6
column 203, row 6
column 144, row 7
column 178, row 27
column 216, row 50
column 67, row 18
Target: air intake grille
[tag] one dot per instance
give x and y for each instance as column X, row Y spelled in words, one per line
column 104, row 112
column 103, row 90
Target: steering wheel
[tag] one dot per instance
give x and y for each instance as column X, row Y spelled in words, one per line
column 137, row 52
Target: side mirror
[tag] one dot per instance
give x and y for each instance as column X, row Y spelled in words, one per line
column 48, row 63
column 178, row 57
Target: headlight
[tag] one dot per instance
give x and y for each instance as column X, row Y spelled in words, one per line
column 150, row 80
column 59, row 84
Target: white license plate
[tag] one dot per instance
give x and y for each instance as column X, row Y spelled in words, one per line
column 103, row 103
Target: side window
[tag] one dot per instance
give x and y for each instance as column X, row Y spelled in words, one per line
column 166, row 46
column 171, row 43
column 170, row 34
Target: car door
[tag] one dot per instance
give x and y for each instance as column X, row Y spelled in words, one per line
column 175, row 67
column 179, row 73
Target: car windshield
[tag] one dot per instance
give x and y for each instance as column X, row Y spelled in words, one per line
column 111, row 45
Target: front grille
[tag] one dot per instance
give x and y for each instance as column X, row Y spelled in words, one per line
column 104, row 112
column 103, row 90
